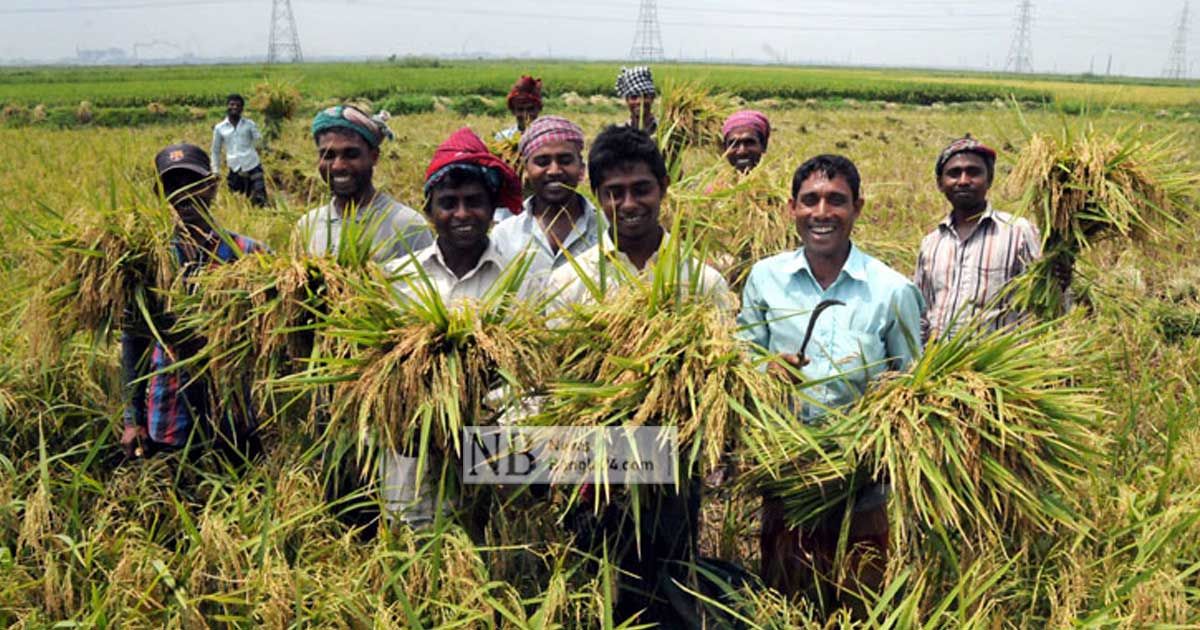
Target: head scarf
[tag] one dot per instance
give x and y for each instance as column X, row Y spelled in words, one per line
column 527, row 89
column 547, row 129
column 463, row 150
column 967, row 144
column 635, row 81
column 372, row 128
column 750, row 119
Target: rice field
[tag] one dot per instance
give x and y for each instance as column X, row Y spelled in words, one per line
column 88, row 540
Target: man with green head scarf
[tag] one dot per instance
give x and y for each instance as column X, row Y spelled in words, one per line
column 348, row 142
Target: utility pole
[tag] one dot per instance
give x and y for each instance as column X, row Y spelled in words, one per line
column 1177, row 65
column 1020, row 52
column 284, row 46
column 647, row 39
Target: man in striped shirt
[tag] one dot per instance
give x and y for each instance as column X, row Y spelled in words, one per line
column 164, row 403
column 965, row 262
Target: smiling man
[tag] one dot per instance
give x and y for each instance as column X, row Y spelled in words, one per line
column 974, row 252
column 876, row 328
column 348, row 142
column 556, row 221
column 745, row 135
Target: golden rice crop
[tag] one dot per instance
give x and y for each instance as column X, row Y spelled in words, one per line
column 689, row 116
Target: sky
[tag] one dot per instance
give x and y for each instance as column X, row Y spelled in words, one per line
column 1068, row 36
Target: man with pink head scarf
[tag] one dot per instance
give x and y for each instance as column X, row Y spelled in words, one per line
column 746, row 134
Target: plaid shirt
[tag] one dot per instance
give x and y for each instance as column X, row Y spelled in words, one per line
column 961, row 279
column 168, row 403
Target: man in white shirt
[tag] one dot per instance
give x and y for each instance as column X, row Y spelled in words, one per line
column 237, row 139
column 360, row 223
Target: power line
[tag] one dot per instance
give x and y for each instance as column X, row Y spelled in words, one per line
column 284, row 44
column 647, row 38
column 1020, row 52
column 1177, row 62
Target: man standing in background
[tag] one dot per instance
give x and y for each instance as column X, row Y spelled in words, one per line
column 636, row 86
column 237, row 139
column 525, row 103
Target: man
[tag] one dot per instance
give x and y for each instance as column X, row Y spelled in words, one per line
column 463, row 185
column 237, row 139
column 745, row 135
column 629, row 178
column 360, row 222
column 636, row 86
column 877, row 328
column 165, row 405
column 556, row 221
column 967, row 260
column 525, row 104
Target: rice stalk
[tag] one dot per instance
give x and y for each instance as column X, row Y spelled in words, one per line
column 689, row 116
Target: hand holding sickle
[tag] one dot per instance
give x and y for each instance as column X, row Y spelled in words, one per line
column 789, row 367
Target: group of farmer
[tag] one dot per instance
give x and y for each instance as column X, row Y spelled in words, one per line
column 871, row 318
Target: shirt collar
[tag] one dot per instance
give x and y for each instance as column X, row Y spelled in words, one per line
column 855, row 265
column 988, row 215
column 377, row 203
column 609, row 248
column 433, row 253
column 591, row 219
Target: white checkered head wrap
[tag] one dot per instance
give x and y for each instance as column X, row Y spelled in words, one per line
column 635, row 81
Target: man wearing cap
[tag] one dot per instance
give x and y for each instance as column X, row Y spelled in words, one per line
column 636, row 86
column 360, row 221
column 556, row 220
column 237, row 138
column 525, row 104
column 464, row 183
column 966, row 261
column 165, row 405
column 745, row 136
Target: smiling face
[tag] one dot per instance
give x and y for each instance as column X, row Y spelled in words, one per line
column 744, row 149
column 553, row 171
column 233, row 109
column 461, row 213
column 825, row 211
column 631, row 198
column 965, row 182
column 346, row 163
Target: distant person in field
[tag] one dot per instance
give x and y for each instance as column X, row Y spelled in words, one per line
column 745, row 135
column 966, row 261
column 636, row 86
column 525, row 104
column 164, row 408
column 464, row 184
column 237, row 139
column 876, row 328
column 359, row 217
column 557, row 220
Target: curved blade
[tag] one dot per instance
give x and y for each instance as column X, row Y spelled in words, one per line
column 812, row 321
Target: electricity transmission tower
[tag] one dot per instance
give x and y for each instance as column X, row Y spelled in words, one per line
column 1020, row 52
column 1177, row 65
column 647, row 39
column 285, row 39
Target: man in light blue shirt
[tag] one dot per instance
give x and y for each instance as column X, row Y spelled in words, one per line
column 878, row 328
column 237, row 138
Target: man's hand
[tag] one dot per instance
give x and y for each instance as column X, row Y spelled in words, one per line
column 788, row 367
column 131, row 441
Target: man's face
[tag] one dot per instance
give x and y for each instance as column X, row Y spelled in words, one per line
column 233, row 108
column 825, row 211
column 525, row 112
column 461, row 215
column 190, row 194
column 631, row 198
column 964, row 181
column 346, row 162
column 640, row 108
column 553, row 171
column 744, row 149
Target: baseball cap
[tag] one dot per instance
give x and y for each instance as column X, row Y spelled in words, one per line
column 182, row 156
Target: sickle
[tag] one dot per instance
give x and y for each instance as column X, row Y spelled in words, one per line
column 812, row 321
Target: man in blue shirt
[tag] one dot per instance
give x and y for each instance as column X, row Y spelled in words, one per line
column 876, row 328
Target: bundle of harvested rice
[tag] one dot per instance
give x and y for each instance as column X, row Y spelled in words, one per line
column 1088, row 187
column 986, row 437
column 689, row 116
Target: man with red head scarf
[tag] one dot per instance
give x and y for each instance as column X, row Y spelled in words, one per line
column 745, row 136
column 525, row 103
